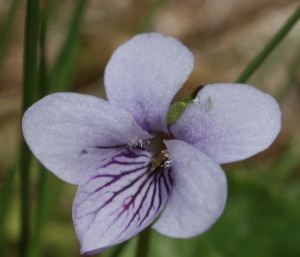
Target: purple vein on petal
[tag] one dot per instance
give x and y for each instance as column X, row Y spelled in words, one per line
column 127, row 153
column 154, row 183
column 116, row 179
column 127, row 192
column 137, row 214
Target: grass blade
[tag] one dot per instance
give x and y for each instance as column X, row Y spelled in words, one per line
column 269, row 47
column 43, row 181
column 143, row 244
column 29, row 86
column 5, row 198
column 293, row 72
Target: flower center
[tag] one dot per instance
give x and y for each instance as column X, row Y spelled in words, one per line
column 157, row 161
column 156, row 147
column 162, row 159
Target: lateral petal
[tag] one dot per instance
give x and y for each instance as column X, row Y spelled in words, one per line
column 229, row 122
column 71, row 134
column 119, row 200
column 199, row 192
column 144, row 74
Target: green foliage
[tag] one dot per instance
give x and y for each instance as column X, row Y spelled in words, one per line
column 257, row 221
column 30, row 76
column 262, row 213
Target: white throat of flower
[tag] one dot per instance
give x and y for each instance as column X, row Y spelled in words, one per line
column 156, row 147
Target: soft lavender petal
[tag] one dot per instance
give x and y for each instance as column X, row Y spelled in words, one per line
column 199, row 192
column 120, row 199
column 71, row 134
column 229, row 122
column 144, row 74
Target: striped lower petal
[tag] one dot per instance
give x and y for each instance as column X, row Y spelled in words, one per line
column 120, row 199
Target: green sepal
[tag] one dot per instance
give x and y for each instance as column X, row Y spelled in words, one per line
column 176, row 110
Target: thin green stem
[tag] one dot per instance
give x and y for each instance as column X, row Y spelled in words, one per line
column 43, row 183
column 25, row 161
column 292, row 75
column 29, row 85
column 7, row 29
column 143, row 243
column 119, row 249
column 269, row 47
column 42, row 211
column 30, row 52
column 42, row 73
column 5, row 197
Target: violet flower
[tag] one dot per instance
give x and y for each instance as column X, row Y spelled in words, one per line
column 114, row 150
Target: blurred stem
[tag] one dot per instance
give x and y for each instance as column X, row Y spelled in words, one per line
column 119, row 249
column 64, row 65
column 42, row 211
column 146, row 23
column 7, row 29
column 293, row 72
column 43, row 182
column 196, row 91
column 49, row 10
column 143, row 243
column 29, row 85
column 5, row 197
column 42, row 74
column 285, row 166
column 269, row 47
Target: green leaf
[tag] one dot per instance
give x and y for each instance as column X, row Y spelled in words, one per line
column 257, row 221
column 29, row 88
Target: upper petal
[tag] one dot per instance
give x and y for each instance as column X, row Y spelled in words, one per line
column 199, row 192
column 229, row 122
column 144, row 74
column 71, row 133
column 121, row 198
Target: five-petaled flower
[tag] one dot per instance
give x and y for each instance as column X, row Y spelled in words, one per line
column 115, row 150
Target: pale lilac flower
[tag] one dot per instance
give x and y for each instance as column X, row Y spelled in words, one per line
column 114, row 151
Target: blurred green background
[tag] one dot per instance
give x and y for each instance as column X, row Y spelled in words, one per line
column 75, row 41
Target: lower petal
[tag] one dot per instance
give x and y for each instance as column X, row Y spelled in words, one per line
column 119, row 200
column 199, row 192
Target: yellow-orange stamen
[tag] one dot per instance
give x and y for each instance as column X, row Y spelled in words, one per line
column 157, row 161
column 160, row 158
